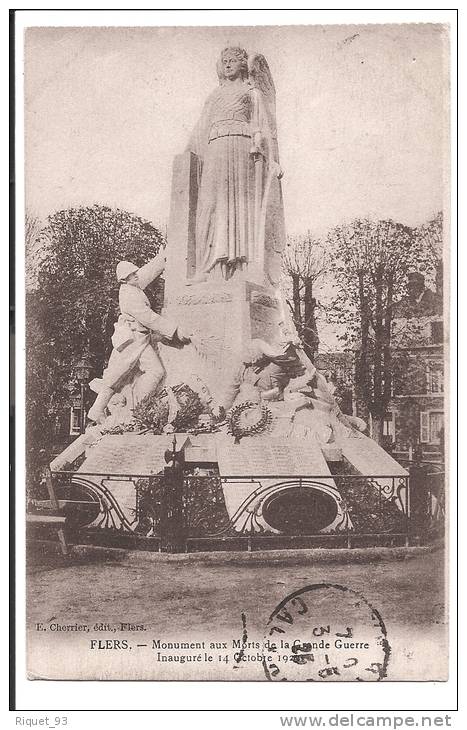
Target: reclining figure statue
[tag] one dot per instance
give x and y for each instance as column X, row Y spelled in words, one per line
column 284, row 376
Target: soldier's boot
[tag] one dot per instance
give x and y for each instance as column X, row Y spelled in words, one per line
column 97, row 412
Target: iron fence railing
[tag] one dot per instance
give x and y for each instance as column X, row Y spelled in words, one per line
column 175, row 511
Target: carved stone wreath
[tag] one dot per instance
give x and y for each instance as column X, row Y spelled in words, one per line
column 248, row 418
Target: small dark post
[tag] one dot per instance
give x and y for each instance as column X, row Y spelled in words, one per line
column 81, row 409
column 82, row 370
column 420, row 498
column 174, row 527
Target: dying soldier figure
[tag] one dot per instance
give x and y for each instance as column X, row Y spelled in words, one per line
column 283, row 373
column 135, row 355
column 264, row 373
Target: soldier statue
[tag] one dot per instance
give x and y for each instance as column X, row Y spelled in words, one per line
column 135, row 356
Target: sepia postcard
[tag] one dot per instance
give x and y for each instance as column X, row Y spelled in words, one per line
column 236, row 352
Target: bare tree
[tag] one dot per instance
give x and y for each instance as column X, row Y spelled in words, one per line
column 35, row 244
column 432, row 234
column 304, row 262
column 371, row 260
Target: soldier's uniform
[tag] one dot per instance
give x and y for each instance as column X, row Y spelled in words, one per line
column 265, row 375
column 135, row 338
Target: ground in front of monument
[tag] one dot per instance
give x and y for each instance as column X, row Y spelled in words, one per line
column 223, row 596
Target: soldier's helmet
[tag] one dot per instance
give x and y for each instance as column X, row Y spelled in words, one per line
column 124, row 269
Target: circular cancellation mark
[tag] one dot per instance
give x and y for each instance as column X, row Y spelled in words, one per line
column 325, row 632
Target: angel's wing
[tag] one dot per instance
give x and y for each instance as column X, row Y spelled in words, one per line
column 260, row 77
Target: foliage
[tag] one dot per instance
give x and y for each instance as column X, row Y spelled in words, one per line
column 431, row 235
column 248, row 418
column 152, row 412
column 119, row 428
column 369, row 511
column 35, row 243
column 74, row 306
column 77, row 280
column 371, row 260
column 191, row 408
column 200, row 498
column 304, row 262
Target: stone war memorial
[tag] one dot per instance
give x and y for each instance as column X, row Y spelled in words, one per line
column 211, row 425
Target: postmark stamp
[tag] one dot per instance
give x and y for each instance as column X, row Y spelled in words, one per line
column 325, row 632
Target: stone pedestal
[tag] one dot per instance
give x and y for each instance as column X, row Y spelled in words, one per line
column 224, row 317
column 181, row 261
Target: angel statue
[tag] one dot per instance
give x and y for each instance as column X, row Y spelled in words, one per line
column 236, row 145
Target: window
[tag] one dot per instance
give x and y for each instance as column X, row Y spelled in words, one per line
column 436, row 424
column 435, row 378
column 388, row 426
column 75, row 421
column 431, row 424
column 437, row 333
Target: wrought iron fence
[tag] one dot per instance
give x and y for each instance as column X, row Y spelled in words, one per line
column 428, row 498
column 176, row 512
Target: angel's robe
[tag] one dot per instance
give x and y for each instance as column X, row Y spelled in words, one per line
column 227, row 208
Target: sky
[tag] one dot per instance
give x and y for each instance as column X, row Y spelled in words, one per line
column 362, row 116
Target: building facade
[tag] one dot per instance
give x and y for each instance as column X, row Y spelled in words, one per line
column 414, row 422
